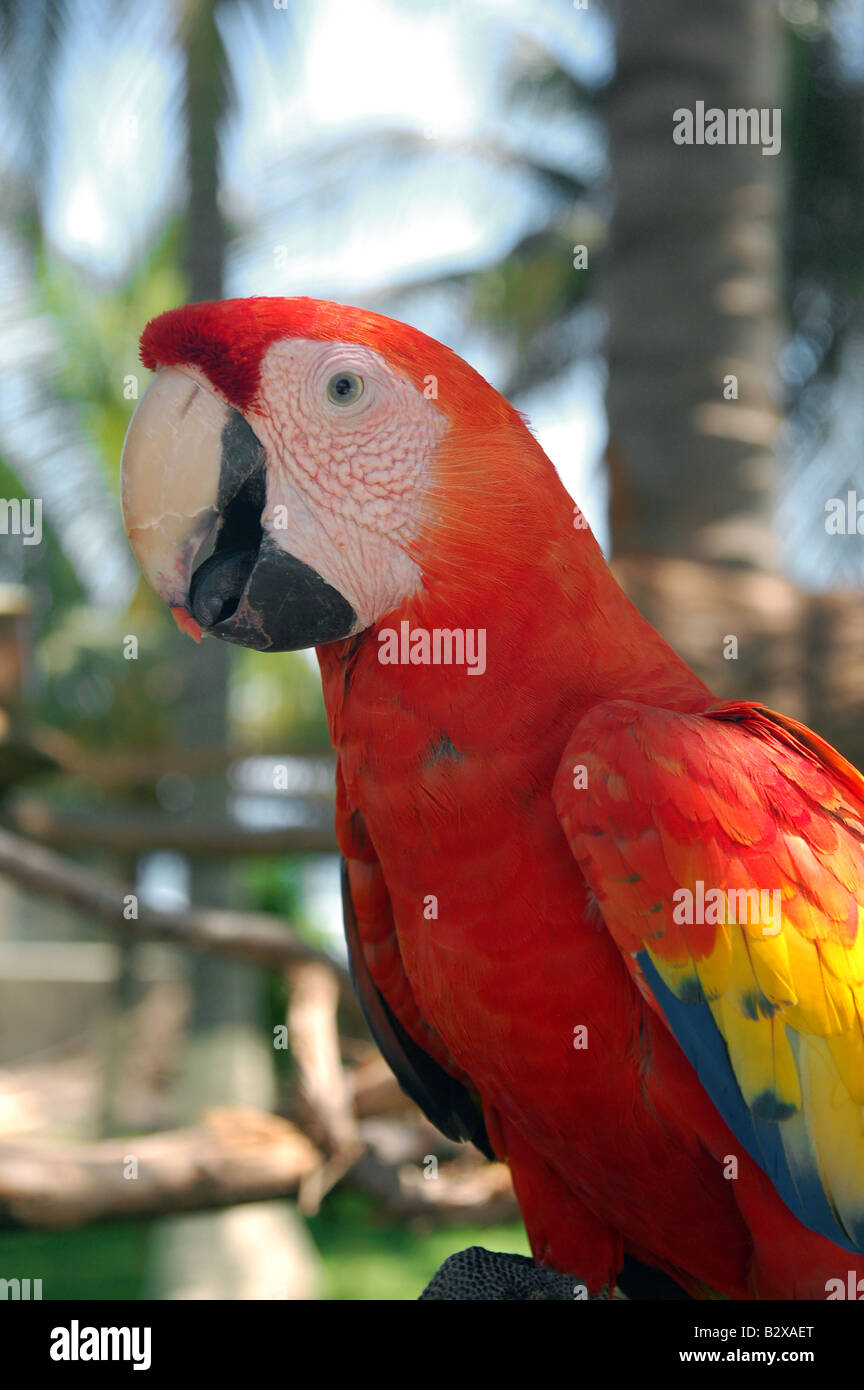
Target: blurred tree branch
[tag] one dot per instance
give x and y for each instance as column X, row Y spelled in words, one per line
column 253, row 937
column 239, row 1155
column 326, row 1095
column 233, row 1156
column 141, row 829
column 129, row 769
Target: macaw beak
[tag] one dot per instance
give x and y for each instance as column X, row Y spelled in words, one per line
column 194, row 481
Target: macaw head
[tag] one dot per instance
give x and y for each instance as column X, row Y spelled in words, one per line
column 298, row 469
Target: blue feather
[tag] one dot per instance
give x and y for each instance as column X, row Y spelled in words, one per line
column 697, row 1034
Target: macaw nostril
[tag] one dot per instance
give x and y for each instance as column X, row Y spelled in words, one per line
column 217, row 585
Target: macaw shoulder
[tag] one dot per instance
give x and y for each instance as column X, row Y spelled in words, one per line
column 765, row 763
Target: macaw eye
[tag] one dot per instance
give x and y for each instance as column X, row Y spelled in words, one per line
column 345, row 388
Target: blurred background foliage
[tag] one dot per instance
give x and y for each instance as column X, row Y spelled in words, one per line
column 441, row 162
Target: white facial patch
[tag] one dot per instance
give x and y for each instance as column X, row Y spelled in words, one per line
column 345, row 478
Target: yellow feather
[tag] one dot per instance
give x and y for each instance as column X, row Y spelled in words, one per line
column 770, row 959
column 846, row 963
column 836, row 1129
column 847, row 1054
column 817, row 1011
column 761, row 1059
column 713, row 970
column 743, row 991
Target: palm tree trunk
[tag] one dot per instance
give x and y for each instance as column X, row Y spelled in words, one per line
column 692, row 298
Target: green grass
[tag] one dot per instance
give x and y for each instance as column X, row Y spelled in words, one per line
column 99, row 1262
column 363, row 1255
column 366, row 1257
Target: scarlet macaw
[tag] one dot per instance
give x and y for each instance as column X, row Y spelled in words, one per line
column 547, row 840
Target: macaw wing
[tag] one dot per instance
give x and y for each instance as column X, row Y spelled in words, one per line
column 726, row 853
column 413, row 1050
